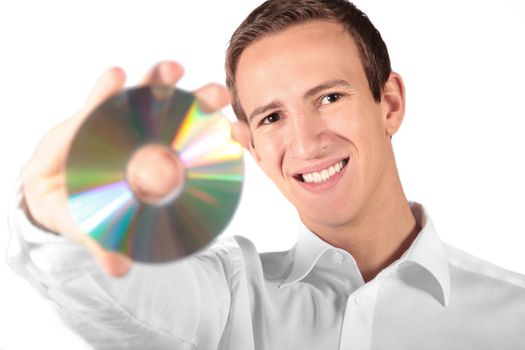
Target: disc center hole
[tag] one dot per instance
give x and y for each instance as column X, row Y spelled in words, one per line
column 155, row 174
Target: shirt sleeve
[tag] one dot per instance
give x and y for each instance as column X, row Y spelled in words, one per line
column 179, row 305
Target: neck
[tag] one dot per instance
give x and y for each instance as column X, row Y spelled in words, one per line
column 381, row 232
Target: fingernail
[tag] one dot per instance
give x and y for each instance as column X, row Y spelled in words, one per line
column 168, row 72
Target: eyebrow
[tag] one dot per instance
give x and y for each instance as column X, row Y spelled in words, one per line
column 326, row 85
column 311, row 92
column 264, row 109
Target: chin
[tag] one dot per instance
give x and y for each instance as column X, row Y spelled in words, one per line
column 327, row 217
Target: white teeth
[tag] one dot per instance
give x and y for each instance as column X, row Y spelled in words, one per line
column 325, row 174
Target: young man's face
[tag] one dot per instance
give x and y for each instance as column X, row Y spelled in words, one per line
column 317, row 131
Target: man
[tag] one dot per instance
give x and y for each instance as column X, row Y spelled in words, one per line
column 318, row 105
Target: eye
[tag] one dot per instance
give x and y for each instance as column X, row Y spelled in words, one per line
column 270, row 119
column 330, row 98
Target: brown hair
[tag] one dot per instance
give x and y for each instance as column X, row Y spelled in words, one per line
column 276, row 15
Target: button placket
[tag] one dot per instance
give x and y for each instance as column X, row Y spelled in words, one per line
column 358, row 319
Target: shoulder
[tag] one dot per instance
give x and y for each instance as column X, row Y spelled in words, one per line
column 242, row 254
column 491, row 295
column 474, row 269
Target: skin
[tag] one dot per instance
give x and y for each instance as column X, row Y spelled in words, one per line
column 317, row 109
column 154, row 173
column 321, row 111
column 43, row 178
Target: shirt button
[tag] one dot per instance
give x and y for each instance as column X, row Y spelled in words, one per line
column 338, row 258
column 357, row 301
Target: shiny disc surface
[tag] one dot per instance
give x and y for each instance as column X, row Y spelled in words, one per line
column 102, row 201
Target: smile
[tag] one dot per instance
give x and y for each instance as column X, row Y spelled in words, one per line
column 323, row 175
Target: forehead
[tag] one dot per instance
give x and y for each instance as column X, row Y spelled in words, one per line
column 293, row 60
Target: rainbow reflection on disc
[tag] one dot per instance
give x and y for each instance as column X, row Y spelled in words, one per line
column 103, row 203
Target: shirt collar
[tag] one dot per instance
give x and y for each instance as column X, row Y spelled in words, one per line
column 426, row 250
column 307, row 251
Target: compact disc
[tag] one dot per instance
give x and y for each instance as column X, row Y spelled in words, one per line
column 208, row 175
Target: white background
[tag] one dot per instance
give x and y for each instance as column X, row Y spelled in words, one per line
column 460, row 150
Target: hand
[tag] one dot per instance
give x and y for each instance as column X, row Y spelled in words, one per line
column 43, row 178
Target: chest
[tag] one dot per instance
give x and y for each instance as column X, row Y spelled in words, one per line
column 375, row 317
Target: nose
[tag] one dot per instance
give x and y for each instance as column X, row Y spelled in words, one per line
column 309, row 136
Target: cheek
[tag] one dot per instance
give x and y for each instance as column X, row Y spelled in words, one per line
column 269, row 150
column 347, row 126
column 360, row 130
column 355, row 124
column 371, row 147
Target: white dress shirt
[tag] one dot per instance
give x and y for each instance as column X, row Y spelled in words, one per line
column 313, row 296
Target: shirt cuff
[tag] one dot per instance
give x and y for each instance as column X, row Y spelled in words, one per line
column 33, row 250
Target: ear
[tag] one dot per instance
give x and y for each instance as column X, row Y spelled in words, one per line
column 241, row 133
column 393, row 103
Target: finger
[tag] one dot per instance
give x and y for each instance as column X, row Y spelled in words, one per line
column 163, row 73
column 241, row 133
column 115, row 264
column 50, row 153
column 212, row 97
column 110, row 83
column 112, row 263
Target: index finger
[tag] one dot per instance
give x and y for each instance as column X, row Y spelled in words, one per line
column 109, row 83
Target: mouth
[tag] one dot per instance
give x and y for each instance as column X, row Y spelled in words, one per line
column 322, row 175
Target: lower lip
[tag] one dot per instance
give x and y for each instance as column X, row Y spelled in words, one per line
column 324, row 186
